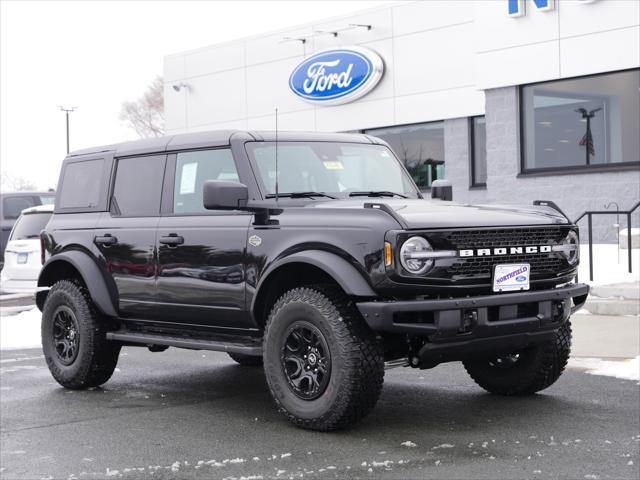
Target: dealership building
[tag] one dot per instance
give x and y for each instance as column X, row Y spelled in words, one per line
column 511, row 100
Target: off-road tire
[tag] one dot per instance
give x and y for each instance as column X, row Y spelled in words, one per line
column 357, row 361
column 246, row 360
column 536, row 368
column 96, row 358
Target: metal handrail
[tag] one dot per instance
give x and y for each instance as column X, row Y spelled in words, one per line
column 590, row 213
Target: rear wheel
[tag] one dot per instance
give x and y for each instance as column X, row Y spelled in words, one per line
column 246, row 360
column 324, row 366
column 74, row 338
column 525, row 372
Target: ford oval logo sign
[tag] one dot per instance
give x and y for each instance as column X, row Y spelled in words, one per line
column 339, row 76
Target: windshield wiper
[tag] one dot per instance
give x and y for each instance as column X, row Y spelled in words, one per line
column 299, row 195
column 379, row 193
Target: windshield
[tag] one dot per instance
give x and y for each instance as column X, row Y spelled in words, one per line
column 30, row 225
column 336, row 169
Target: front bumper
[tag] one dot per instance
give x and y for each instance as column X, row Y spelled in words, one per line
column 459, row 328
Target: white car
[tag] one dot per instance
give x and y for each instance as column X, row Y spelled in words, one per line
column 22, row 256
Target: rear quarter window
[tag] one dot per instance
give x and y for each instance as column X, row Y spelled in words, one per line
column 30, row 225
column 81, row 185
column 13, row 205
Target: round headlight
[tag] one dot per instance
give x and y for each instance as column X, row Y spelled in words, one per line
column 413, row 258
column 571, row 249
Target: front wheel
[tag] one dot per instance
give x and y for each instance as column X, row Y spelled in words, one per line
column 324, row 366
column 74, row 338
column 525, row 372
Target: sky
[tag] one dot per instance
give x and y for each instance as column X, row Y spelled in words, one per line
column 94, row 55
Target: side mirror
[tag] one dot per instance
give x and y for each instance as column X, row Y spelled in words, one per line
column 220, row 195
column 442, row 189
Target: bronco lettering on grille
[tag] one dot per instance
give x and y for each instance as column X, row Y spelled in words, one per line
column 488, row 252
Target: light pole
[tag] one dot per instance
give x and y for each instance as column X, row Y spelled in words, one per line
column 67, row 111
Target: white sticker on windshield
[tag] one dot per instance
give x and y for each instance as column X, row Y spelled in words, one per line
column 188, row 178
column 333, row 165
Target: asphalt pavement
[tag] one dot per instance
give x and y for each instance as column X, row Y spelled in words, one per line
column 187, row 414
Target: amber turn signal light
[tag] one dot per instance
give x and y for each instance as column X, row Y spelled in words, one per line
column 387, row 254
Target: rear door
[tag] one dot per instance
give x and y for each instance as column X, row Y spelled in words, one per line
column 125, row 236
column 201, row 253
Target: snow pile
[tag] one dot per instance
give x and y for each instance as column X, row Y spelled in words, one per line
column 626, row 369
column 21, row 330
column 609, row 264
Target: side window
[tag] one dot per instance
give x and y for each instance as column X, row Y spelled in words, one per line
column 47, row 199
column 138, row 185
column 12, row 206
column 195, row 168
column 81, row 184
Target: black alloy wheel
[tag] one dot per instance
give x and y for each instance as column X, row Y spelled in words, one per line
column 323, row 364
column 66, row 335
column 74, row 341
column 306, row 360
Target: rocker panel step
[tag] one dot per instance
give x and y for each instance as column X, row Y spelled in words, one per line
column 182, row 342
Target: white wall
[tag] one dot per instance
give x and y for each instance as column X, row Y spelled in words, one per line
column 439, row 57
column 575, row 38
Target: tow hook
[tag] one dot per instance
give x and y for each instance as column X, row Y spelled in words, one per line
column 469, row 319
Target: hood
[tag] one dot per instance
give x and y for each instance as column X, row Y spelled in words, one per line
column 424, row 214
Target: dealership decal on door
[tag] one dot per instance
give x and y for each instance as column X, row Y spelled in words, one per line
column 339, row 76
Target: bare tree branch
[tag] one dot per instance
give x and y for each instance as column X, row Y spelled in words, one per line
column 11, row 183
column 146, row 115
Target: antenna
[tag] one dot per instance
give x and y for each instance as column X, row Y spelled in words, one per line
column 276, row 154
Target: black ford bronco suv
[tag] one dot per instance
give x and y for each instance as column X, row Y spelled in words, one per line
column 313, row 254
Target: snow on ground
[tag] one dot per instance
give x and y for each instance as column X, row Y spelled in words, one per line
column 626, row 369
column 21, row 330
column 609, row 264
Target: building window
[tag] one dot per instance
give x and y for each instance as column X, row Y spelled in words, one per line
column 420, row 147
column 583, row 122
column 478, row 151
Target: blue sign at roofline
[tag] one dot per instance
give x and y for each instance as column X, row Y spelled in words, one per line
column 517, row 8
column 337, row 76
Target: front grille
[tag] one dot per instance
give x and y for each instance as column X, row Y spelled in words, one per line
column 543, row 265
column 508, row 237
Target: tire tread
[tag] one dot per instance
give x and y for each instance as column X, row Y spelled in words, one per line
column 100, row 356
column 362, row 353
column 545, row 366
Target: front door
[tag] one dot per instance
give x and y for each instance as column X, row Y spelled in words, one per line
column 201, row 253
column 126, row 235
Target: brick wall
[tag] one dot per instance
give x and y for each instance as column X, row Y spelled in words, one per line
column 574, row 193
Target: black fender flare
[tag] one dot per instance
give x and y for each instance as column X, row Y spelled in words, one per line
column 352, row 281
column 102, row 294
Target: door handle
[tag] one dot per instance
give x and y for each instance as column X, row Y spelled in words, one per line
column 172, row 240
column 106, row 240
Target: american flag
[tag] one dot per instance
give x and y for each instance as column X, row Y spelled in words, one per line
column 587, row 140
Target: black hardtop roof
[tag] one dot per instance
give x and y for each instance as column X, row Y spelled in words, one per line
column 217, row 138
